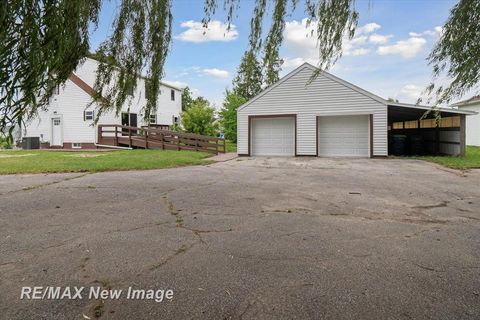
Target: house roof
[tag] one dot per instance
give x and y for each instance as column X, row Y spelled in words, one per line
column 81, row 84
column 426, row 108
column 90, row 91
column 472, row 100
column 144, row 78
column 353, row 87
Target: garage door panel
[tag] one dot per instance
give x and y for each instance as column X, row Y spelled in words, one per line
column 273, row 136
column 344, row 136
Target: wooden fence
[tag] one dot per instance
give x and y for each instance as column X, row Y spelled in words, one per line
column 154, row 138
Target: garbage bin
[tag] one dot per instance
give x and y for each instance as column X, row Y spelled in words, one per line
column 416, row 145
column 398, row 145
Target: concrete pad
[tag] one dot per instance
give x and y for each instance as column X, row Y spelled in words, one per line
column 250, row 238
column 222, row 157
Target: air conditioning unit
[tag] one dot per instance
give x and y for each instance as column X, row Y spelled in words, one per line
column 30, row 143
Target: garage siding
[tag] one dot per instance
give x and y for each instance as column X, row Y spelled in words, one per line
column 324, row 96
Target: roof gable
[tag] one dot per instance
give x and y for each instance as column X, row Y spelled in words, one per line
column 324, row 74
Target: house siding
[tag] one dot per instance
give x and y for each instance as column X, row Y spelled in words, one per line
column 166, row 107
column 472, row 125
column 322, row 97
column 72, row 101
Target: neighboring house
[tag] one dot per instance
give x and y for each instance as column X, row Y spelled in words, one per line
column 473, row 122
column 331, row 117
column 68, row 120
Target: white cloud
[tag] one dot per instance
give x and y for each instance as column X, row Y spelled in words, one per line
column 217, row 73
column 436, row 33
column 292, row 62
column 368, row 28
column 410, row 93
column 181, row 85
column 360, row 52
column 379, row 39
column 216, row 31
column 357, row 40
column 406, row 48
column 299, row 38
column 301, row 42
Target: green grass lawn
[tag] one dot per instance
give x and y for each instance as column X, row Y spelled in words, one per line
column 42, row 161
column 231, row 146
column 471, row 159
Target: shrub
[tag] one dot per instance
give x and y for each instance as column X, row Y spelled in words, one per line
column 199, row 118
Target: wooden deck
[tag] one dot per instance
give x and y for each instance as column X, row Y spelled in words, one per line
column 154, row 138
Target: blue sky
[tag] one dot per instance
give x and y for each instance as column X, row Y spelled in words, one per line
column 387, row 55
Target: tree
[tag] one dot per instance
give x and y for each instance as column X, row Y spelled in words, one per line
column 271, row 59
column 199, row 118
column 187, row 98
column 456, row 56
column 42, row 42
column 228, row 114
column 201, row 100
column 249, row 79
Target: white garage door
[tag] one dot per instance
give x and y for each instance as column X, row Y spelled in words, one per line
column 343, row 136
column 273, row 136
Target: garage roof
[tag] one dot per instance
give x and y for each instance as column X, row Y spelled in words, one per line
column 426, row 108
column 356, row 88
column 472, row 100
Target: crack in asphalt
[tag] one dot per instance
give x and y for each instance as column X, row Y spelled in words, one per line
column 145, row 226
column 181, row 250
column 171, row 208
column 206, row 231
column 28, row 188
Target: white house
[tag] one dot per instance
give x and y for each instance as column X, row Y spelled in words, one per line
column 473, row 122
column 331, row 117
column 68, row 120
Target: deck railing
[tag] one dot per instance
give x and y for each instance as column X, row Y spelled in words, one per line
column 154, row 138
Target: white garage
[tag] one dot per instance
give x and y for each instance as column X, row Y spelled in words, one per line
column 330, row 117
column 343, row 136
column 273, row 136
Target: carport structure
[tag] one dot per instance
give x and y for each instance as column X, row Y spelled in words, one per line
column 414, row 130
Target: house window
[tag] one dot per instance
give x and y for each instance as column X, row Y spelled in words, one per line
column 56, row 122
column 172, row 95
column 175, row 119
column 153, row 119
column 147, row 90
column 129, row 90
column 88, row 115
column 76, row 145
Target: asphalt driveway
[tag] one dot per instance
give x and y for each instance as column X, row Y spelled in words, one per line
column 249, row 238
